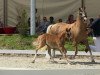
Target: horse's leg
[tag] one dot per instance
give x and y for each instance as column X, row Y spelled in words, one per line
column 53, row 52
column 88, row 49
column 40, row 46
column 76, row 51
column 35, row 56
column 49, row 52
column 63, row 52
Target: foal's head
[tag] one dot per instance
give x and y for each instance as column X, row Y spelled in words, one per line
column 68, row 33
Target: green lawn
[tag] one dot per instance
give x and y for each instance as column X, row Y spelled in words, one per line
column 16, row 42
column 24, row 43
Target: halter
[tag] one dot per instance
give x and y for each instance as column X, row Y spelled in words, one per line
column 82, row 14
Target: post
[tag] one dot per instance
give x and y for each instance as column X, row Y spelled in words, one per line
column 83, row 6
column 5, row 12
column 82, row 3
column 32, row 17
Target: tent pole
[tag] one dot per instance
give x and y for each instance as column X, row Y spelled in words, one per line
column 32, row 17
column 5, row 13
column 83, row 4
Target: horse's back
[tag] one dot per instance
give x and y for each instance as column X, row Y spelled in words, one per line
column 56, row 28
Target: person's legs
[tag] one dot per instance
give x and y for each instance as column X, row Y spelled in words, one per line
column 93, row 48
column 97, row 43
column 96, row 47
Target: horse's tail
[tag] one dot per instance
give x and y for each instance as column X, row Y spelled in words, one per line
column 49, row 28
column 38, row 41
column 35, row 43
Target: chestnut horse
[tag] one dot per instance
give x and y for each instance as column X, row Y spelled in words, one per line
column 78, row 31
column 53, row 42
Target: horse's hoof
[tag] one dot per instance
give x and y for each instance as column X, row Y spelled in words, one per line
column 68, row 63
column 93, row 61
column 60, row 58
column 52, row 61
column 33, row 61
column 72, row 57
column 86, row 50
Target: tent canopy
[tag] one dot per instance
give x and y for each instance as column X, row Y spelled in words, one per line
column 56, row 8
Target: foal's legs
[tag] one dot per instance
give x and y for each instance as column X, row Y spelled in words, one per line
column 35, row 55
column 63, row 52
column 49, row 52
column 76, row 51
column 40, row 46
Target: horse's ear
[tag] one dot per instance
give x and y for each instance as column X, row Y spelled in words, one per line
column 80, row 9
column 68, row 29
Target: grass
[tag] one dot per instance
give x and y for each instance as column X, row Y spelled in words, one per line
column 16, row 42
column 81, row 47
column 24, row 43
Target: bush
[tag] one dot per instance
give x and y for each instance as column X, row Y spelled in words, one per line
column 23, row 26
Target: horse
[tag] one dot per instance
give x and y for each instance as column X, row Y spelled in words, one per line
column 78, row 31
column 53, row 42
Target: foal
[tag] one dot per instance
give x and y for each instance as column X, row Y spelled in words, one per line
column 53, row 42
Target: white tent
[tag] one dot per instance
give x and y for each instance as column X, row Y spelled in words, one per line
column 56, row 8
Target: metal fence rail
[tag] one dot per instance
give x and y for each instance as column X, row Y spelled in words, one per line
column 43, row 52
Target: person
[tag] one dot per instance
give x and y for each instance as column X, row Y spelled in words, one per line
column 89, row 25
column 59, row 20
column 43, row 26
column 51, row 20
column 29, row 25
column 96, row 34
column 1, row 24
column 90, row 21
column 37, row 18
column 18, row 23
column 29, row 21
column 70, row 19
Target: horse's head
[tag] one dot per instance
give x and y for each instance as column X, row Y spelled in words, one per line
column 68, row 33
column 82, row 14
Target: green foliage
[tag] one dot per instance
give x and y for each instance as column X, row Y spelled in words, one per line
column 69, row 45
column 25, row 43
column 23, row 26
column 16, row 42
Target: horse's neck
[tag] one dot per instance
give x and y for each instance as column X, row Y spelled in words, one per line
column 79, row 22
column 61, row 35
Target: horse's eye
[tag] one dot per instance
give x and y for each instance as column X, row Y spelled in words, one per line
column 80, row 13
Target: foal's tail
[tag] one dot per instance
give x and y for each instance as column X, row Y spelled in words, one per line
column 37, row 43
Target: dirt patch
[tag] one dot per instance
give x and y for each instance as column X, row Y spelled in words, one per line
column 24, row 61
